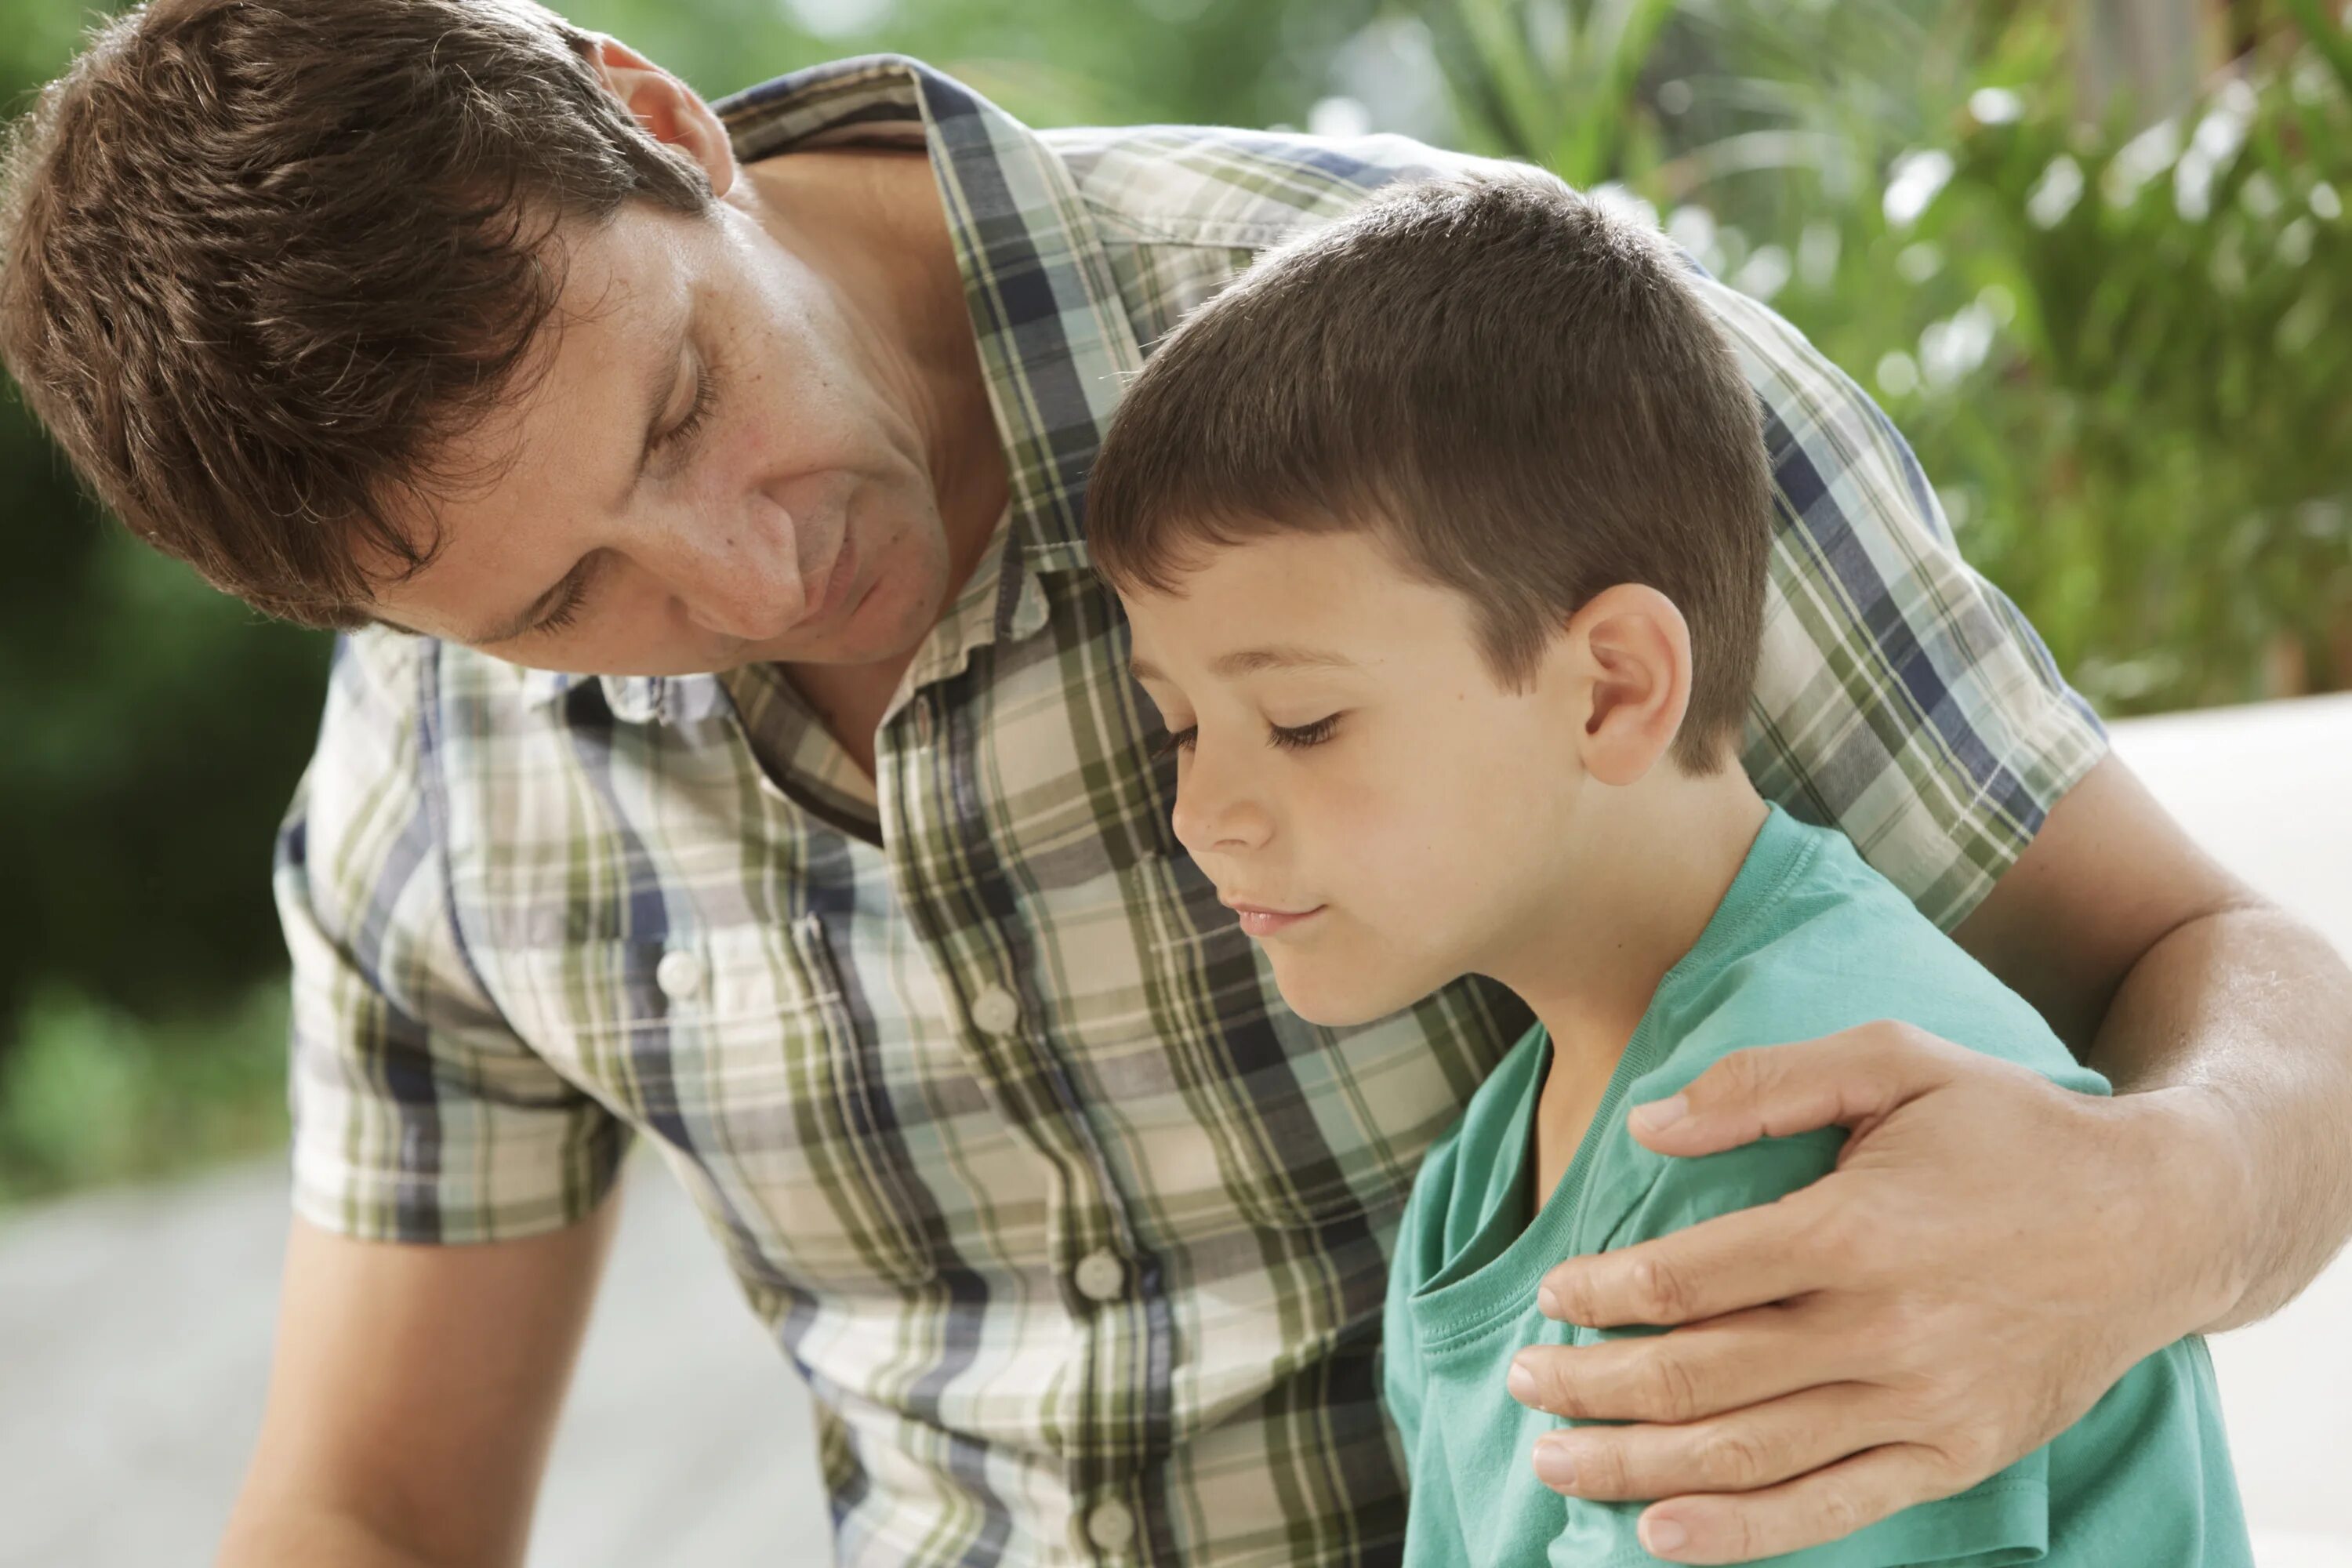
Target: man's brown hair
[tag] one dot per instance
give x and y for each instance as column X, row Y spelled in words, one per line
column 1514, row 388
column 260, row 260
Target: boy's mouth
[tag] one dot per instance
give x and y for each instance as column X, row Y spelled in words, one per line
column 1258, row 920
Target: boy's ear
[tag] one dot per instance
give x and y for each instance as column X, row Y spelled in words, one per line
column 670, row 110
column 1632, row 653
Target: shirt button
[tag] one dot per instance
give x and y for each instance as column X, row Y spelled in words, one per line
column 995, row 1011
column 1111, row 1525
column 679, row 973
column 1100, row 1275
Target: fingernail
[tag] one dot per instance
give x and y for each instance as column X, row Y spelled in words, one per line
column 1663, row 1535
column 1548, row 1302
column 1522, row 1382
column 1661, row 1113
column 1555, row 1464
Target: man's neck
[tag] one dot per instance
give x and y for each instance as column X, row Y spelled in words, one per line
column 871, row 222
column 1650, row 877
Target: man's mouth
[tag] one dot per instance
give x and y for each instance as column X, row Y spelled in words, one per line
column 838, row 580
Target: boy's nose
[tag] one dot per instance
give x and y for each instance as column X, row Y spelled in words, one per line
column 1211, row 815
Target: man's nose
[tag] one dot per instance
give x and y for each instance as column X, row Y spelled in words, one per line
column 1215, row 807
column 740, row 577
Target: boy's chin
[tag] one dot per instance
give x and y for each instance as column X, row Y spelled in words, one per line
column 1335, row 1007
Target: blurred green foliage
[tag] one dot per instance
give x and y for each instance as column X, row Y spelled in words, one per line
column 90, row 1093
column 2122, row 354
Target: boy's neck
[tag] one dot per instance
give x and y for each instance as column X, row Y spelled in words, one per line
column 1656, row 859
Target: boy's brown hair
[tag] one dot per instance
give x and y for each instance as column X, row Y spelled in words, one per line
column 1513, row 387
column 261, row 259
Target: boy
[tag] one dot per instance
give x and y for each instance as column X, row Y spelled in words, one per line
column 1444, row 538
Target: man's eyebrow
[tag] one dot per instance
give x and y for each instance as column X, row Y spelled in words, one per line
column 1251, row 660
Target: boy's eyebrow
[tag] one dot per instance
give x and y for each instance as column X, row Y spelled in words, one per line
column 1251, row 660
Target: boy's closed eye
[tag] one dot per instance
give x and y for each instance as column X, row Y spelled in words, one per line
column 1287, row 738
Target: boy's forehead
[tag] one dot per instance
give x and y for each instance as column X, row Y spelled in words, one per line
column 1295, row 601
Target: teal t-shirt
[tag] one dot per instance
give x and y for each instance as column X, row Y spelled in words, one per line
column 1808, row 940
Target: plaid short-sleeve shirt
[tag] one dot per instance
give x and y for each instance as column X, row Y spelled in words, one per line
column 1078, row 1236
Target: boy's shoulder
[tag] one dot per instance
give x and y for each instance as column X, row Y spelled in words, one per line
column 1834, row 945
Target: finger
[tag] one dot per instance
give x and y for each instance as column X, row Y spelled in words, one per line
column 1735, row 1261
column 1850, row 1078
column 1740, row 1452
column 1828, row 1504
column 1724, row 1363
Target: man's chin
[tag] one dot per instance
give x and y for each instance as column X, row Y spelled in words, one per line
column 887, row 621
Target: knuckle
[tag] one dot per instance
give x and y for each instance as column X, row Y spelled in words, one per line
column 1733, row 1460
column 1747, row 1071
column 1670, row 1390
column 1572, row 1293
column 1899, row 1034
column 1741, row 1536
column 1911, row 1038
column 1910, row 1341
column 1969, row 1456
column 1838, row 1235
column 1659, row 1289
column 1556, row 1391
column 1840, row 1513
column 1928, row 1406
column 1602, row 1469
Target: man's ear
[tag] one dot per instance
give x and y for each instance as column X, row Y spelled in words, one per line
column 668, row 108
column 1633, row 654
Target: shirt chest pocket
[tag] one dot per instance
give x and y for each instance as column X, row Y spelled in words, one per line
column 738, row 1050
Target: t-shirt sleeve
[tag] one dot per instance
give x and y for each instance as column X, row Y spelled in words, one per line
column 1900, row 697
column 418, row 1114
column 2003, row 1519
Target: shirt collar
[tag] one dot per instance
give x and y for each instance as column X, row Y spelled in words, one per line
column 1055, row 339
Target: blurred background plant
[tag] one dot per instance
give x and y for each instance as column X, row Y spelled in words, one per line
column 2092, row 256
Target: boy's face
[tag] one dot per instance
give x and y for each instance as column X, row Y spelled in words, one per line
column 1383, row 815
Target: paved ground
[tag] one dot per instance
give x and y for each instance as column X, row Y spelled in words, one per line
column 134, row 1327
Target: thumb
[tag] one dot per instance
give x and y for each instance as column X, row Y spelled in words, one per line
column 1853, row 1078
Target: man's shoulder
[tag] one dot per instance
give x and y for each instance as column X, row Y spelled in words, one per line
column 1229, row 187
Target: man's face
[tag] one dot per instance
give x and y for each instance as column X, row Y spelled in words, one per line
column 1384, row 816
column 715, row 468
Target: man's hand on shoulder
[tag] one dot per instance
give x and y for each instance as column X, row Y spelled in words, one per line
column 1961, row 1288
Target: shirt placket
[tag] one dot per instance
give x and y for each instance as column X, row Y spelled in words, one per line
column 951, row 872
column 1013, row 206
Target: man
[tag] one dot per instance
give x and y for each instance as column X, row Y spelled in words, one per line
column 849, row 884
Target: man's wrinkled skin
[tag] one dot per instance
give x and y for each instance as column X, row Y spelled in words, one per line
column 1990, row 1256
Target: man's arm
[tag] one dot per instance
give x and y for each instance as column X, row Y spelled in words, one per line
column 412, row 1398
column 2167, row 974
column 1992, row 1252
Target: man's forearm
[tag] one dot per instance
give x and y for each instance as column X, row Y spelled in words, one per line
column 302, row 1538
column 2240, row 1024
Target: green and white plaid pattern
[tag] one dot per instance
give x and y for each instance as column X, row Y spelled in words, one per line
column 1079, row 1237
